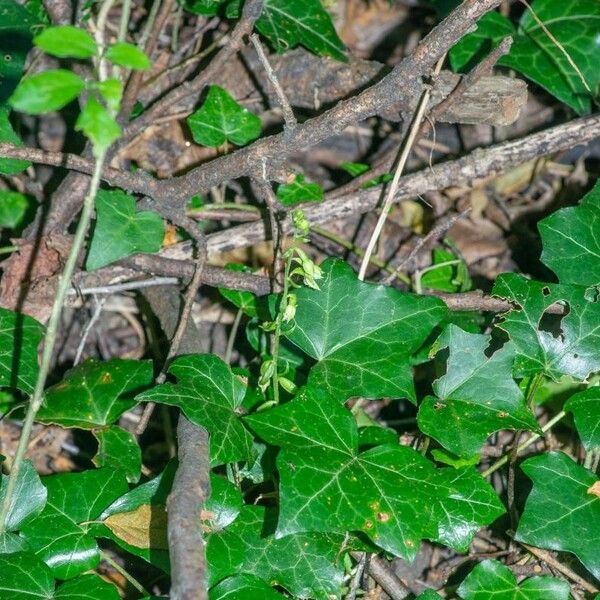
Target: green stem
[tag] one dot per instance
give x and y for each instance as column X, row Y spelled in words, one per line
column 232, row 335
column 125, row 12
column 277, row 332
column 8, row 249
column 64, row 283
column 149, row 24
column 536, row 436
column 119, row 569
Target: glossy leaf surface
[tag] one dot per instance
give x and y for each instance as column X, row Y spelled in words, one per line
column 585, row 407
column 242, row 587
column 118, row 449
column 25, row 577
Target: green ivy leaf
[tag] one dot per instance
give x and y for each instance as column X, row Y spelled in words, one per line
column 47, row 91
column 66, row 41
column 429, row 595
column 19, row 334
column 13, row 207
column 221, row 119
column 9, row 166
column 307, row 564
column 118, row 449
column 59, row 534
column 562, row 512
column 87, row 587
column 475, row 397
column 25, row 577
column 299, row 190
column 491, row 579
column 121, row 231
column 242, row 587
column 98, row 126
column 208, row 8
column 570, row 348
column 11, row 542
column 390, row 493
column 288, row 24
column 247, row 302
column 16, row 25
column 340, row 325
column 571, row 238
column 585, row 407
column 129, row 56
column 446, row 277
column 210, row 395
column 95, row 394
column 28, row 498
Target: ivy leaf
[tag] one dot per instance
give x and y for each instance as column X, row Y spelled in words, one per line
column 571, row 238
column 66, row 41
column 475, row 397
column 247, row 302
column 25, row 577
column 118, row 449
column 341, row 324
column 242, row 587
column 28, row 498
column 447, row 273
column 121, row 231
column 304, row 564
column 570, row 347
column 9, row 166
column 95, row 394
column 221, row 119
column 298, row 190
column 59, row 534
column 301, row 22
column 491, row 579
column 47, row 91
column 429, row 595
column 11, row 542
column 16, row 25
column 389, row 493
column 87, row 587
column 13, row 207
column 562, row 511
column 98, row 125
column 224, row 504
column 129, row 56
column 144, row 527
column 20, row 336
column 210, row 395
column 585, row 407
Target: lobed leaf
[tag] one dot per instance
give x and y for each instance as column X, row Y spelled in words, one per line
column 585, row 407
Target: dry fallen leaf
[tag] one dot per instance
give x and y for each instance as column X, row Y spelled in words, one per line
column 144, row 527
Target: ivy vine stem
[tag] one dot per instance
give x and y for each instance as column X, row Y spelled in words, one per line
column 536, row 436
column 64, row 284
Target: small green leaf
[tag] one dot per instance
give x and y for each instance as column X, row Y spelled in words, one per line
column 28, row 498
column 341, row 324
column 491, row 579
column 47, row 91
column 299, row 190
column 13, row 207
column 95, row 394
column 118, row 449
column 305, row 564
column 447, row 273
column 210, row 395
column 87, row 587
column 25, row 577
column 98, row 125
column 208, row 8
column 19, row 334
column 121, row 231
column 475, row 397
column 242, row 587
column 429, row 595
column 221, row 119
column 10, row 166
column 58, row 535
column 585, row 407
column 247, row 302
column 301, row 22
column 562, row 511
column 112, row 92
column 129, row 56
column 571, row 238
column 354, row 169
column 66, row 41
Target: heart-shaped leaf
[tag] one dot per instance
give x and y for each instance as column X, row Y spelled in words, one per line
column 59, row 534
column 221, row 119
column 585, row 407
column 475, row 397
column 121, row 231
column 95, row 394
column 562, row 511
column 210, row 395
column 552, row 344
column 491, row 579
column 20, row 336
